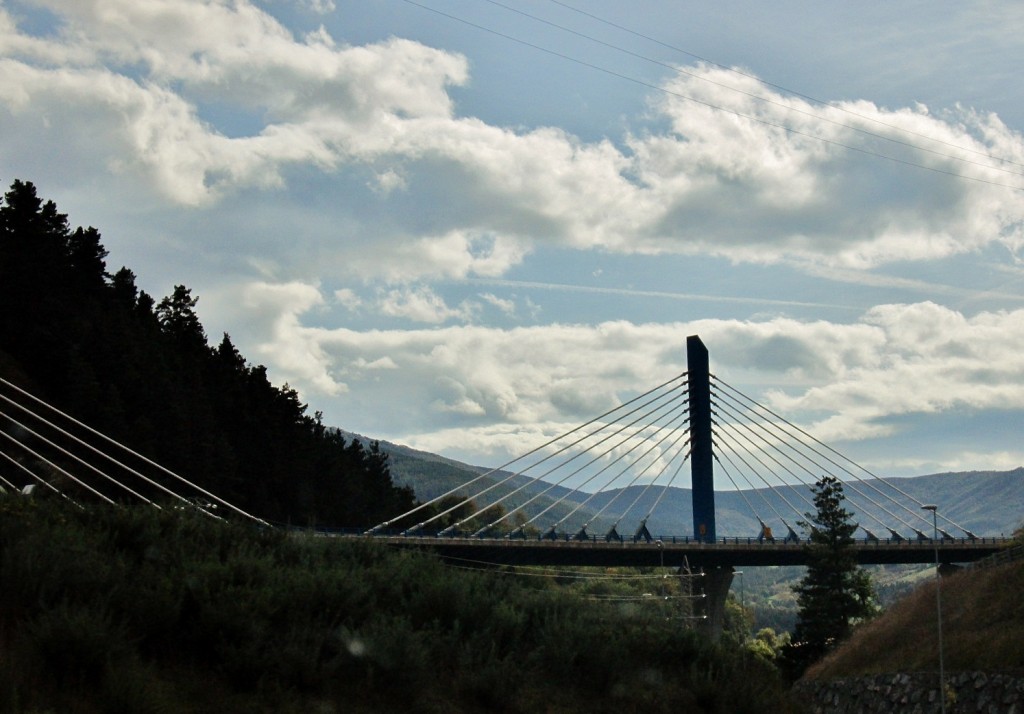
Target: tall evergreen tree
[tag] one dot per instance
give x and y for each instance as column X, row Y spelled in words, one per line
column 835, row 593
column 179, row 320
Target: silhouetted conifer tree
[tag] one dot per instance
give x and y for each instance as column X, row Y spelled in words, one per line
column 835, row 593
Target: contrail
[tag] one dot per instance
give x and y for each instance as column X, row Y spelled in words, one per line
column 652, row 293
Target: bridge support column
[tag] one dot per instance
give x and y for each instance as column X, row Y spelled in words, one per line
column 947, row 569
column 715, row 584
column 701, row 455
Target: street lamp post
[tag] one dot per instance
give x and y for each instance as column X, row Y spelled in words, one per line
column 938, row 603
column 743, row 604
column 743, row 599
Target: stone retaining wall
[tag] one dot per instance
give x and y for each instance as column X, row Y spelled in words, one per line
column 966, row 693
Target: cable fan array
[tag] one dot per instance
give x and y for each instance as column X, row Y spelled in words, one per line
column 47, row 450
column 754, row 445
column 642, row 442
column 596, row 475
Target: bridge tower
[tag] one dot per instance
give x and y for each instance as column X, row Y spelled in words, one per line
column 716, row 580
column 701, row 460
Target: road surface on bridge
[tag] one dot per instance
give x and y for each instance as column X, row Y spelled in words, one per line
column 675, row 552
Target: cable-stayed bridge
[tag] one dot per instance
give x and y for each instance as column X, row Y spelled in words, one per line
column 617, row 469
column 625, row 461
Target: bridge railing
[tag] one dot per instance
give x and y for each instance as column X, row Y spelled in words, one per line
column 1007, row 555
column 668, row 539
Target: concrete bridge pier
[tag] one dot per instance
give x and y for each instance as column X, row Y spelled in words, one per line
column 715, row 587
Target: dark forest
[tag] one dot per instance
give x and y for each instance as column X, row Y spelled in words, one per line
column 143, row 372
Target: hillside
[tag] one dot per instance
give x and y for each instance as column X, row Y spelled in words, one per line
column 430, row 476
column 983, row 626
column 985, row 502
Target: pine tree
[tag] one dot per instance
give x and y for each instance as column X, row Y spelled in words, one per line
column 835, row 593
column 180, row 322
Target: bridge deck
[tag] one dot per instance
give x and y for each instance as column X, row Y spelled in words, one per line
column 675, row 552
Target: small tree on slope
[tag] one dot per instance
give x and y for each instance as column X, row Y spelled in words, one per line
column 835, row 593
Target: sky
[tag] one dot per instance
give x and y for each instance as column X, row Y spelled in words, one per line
column 467, row 226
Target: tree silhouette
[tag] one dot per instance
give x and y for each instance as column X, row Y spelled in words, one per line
column 835, row 593
column 99, row 348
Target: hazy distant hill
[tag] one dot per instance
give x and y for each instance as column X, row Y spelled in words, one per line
column 430, row 476
column 985, row 502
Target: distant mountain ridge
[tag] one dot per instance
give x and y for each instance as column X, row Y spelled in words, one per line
column 431, row 476
column 988, row 503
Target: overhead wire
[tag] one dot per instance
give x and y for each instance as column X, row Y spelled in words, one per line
column 545, row 571
column 759, row 97
column 781, row 88
column 759, row 120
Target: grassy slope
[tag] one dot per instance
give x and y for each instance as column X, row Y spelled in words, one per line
column 983, row 626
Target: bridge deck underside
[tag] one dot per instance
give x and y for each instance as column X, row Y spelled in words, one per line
column 695, row 555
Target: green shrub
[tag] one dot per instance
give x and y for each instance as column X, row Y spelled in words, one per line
column 76, row 643
column 119, row 609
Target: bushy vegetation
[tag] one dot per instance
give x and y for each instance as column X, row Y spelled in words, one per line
column 141, row 371
column 108, row 609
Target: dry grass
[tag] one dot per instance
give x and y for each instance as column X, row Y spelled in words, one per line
column 983, row 627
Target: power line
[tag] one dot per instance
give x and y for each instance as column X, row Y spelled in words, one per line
column 548, row 572
column 768, row 100
column 766, row 122
column 781, row 88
